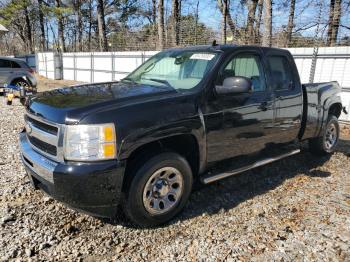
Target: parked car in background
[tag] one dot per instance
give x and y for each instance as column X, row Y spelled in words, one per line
column 199, row 113
column 16, row 73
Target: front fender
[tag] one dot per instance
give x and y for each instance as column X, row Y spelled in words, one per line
column 139, row 138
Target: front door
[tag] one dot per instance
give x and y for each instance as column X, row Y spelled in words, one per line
column 246, row 120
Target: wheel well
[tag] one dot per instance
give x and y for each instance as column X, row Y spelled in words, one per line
column 18, row 79
column 184, row 145
column 335, row 110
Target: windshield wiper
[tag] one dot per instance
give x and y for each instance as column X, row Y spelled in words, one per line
column 128, row 79
column 162, row 81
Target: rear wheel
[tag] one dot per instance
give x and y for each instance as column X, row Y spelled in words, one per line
column 326, row 143
column 22, row 83
column 159, row 190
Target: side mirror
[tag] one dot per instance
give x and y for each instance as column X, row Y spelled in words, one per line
column 234, row 85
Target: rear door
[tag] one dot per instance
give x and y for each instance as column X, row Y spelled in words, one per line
column 288, row 98
column 246, row 123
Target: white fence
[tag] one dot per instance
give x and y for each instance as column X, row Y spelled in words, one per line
column 93, row 67
column 332, row 64
column 45, row 65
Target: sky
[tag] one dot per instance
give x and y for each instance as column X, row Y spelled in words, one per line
column 306, row 11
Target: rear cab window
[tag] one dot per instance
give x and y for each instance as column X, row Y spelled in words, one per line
column 281, row 72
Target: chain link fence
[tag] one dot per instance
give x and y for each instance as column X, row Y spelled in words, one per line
column 313, row 24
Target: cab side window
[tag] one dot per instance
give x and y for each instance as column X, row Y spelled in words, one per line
column 281, row 72
column 5, row 63
column 246, row 65
column 15, row 65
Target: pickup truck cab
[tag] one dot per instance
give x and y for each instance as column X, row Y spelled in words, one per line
column 194, row 114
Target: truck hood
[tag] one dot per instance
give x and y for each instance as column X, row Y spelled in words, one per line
column 69, row 104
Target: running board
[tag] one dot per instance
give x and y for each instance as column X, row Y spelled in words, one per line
column 211, row 178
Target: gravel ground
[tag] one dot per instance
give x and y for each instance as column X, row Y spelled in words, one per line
column 297, row 209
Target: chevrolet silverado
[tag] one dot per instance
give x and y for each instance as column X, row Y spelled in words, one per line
column 194, row 114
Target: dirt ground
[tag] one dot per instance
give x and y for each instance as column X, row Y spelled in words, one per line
column 45, row 84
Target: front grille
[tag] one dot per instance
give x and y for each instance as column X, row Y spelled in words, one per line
column 43, row 146
column 43, row 136
column 42, row 126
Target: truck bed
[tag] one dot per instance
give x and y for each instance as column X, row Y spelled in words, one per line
column 317, row 99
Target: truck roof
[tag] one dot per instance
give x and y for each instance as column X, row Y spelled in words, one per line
column 12, row 59
column 227, row 47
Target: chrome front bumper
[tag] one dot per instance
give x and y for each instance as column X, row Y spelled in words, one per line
column 37, row 163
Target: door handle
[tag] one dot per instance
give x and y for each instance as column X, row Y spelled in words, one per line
column 263, row 106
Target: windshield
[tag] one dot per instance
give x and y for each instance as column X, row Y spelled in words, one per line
column 181, row 70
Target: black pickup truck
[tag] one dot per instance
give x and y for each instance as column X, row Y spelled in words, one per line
column 194, row 114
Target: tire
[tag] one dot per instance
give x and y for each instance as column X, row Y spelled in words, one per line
column 165, row 178
column 327, row 142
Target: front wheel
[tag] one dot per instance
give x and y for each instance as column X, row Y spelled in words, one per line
column 326, row 143
column 159, row 190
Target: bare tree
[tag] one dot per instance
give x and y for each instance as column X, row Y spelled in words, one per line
column 336, row 22
column 224, row 21
column 28, row 29
column 267, row 37
column 102, row 35
column 290, row 25
column 330, row 22
column 42, row 26
column 175, row 22
column 62, row 44
column 79, row 24
column 161, row 24
column 250, row 21
column 154, row 22
column 226, row 13
column 154, row 14
column 258, row 20
column 196, row 24
column 90, row 24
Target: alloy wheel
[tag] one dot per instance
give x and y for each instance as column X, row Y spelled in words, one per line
column 163, row 190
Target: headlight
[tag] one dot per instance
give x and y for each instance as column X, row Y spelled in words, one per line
column 90, row 142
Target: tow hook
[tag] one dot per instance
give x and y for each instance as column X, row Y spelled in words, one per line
column 344, row 110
